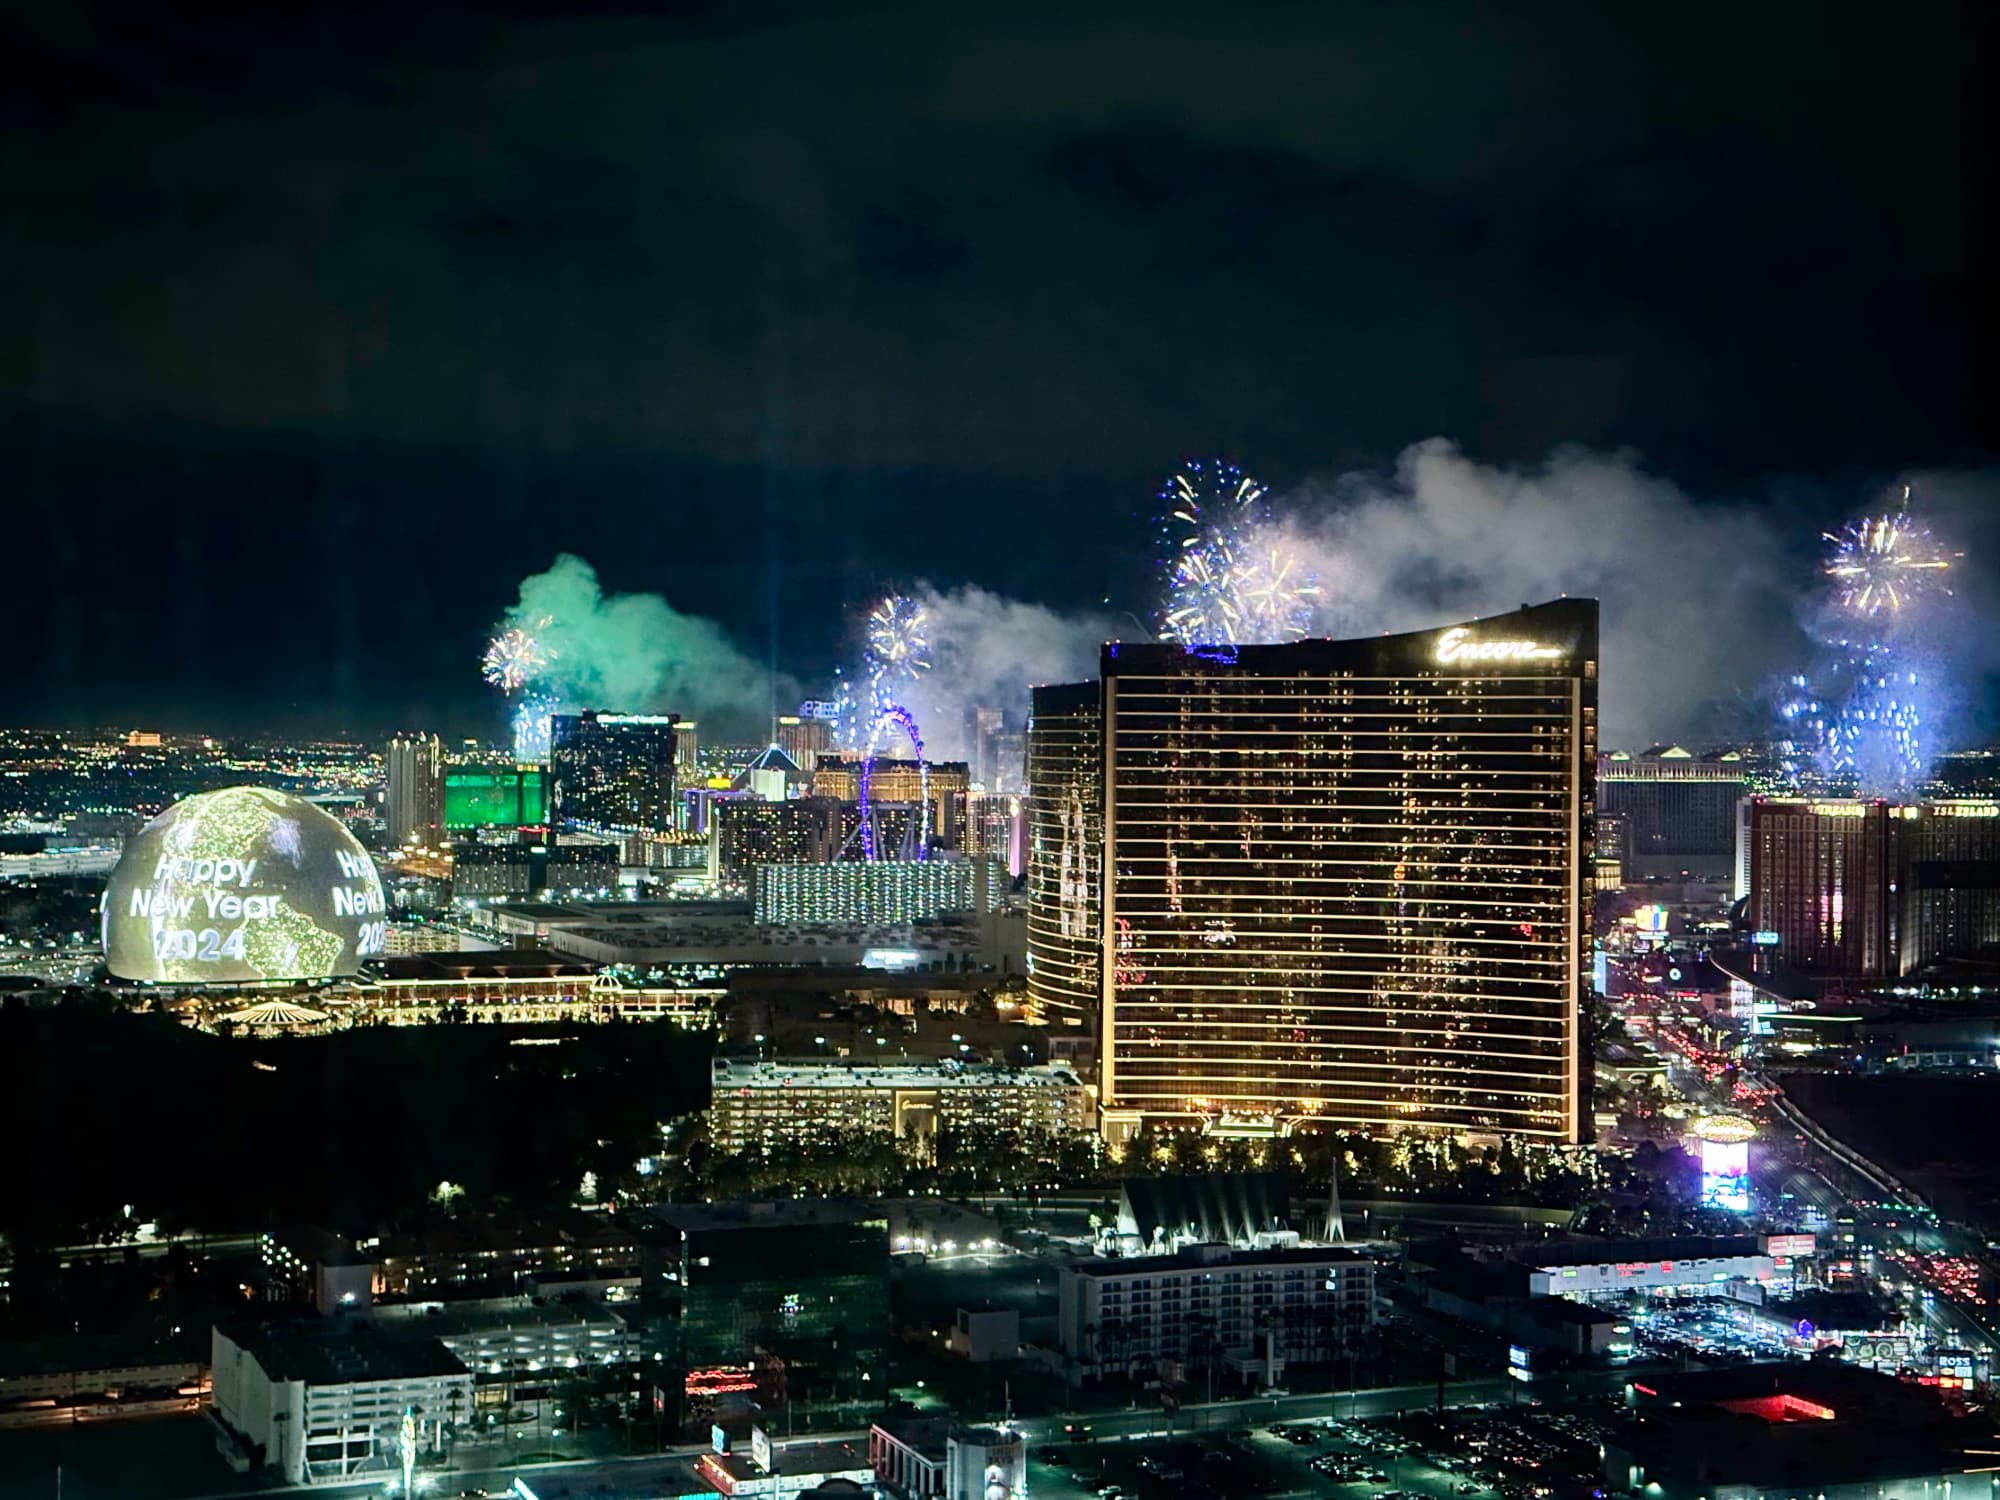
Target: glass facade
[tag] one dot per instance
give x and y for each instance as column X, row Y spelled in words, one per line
column 1065, row 838
column 1349, row 881
column 613, row 771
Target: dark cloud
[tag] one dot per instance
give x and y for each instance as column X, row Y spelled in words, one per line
column 744, row 301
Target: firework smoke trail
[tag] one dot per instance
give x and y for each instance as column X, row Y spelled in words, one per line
column 533, row 726
column 1232, row 578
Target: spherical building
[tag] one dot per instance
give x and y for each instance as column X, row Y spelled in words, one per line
column 239, row 886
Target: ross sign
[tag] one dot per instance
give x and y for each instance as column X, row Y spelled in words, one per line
column 1457, row 645
column 717, row 1438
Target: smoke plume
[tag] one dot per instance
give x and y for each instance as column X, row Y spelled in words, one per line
column 987, row 652
column 1699, row 600
column 637, row 653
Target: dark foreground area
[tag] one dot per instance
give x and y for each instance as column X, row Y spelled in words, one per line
column 113, row 1108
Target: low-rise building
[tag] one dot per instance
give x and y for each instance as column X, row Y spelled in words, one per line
column 1588, row 1270
column 1250, row 1310
column 1801, row 1428
column 310, row 1265
column 757, row 1105
column 325, row 1405
column 799, row 1287
column 494, row 1256
column 938, row 1459
column 518, row 1351
column 985, row 1334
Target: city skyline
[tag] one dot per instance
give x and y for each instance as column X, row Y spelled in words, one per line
column 939, row 753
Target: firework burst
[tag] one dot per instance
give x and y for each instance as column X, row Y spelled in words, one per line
column 1884, row 564
column 514, row 658
column 898, row 650
column 1232, row 578
column 1859, row 723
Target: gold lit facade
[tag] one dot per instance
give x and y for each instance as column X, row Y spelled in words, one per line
column 1065, row 836
column 1349, row 881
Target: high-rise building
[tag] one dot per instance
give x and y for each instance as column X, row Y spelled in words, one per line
column 804, row 740
column 1845, row 887
column 1343, row 881
column 982, row 730
column 416, row 789
column 613, row 772
column 1065, row 836
column 1819, row 879
column 744, row 833
column 1679, row 809
column 1947, row 881
column 839, row 776
column 996, row 825
column 687, row 749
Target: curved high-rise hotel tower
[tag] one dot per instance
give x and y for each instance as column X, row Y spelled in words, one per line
column 1332, row 881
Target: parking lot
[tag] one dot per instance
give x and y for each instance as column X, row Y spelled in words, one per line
column 1476, row 1453
column 1712, row 1330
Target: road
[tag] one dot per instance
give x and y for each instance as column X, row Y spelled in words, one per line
column 1824, row 1174
column 630, row 1476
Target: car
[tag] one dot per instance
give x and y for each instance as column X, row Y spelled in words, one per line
column 1111, row 1492
column 1053, row 1457
column 1466, row 1487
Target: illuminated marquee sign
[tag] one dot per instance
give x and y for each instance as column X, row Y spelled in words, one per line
column 1458, row 646
column 819, row 708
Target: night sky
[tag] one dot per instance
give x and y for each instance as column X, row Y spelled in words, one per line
column 324, row 328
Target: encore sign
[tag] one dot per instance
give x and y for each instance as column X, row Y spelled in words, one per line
column 1458, row 645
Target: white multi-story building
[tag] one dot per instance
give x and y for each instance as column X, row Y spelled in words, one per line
column 326, row 1406
column 1249, row 1311
column 757, row 1105
column 1589, row 1271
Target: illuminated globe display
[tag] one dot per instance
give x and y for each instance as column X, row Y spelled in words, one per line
column 242, row 885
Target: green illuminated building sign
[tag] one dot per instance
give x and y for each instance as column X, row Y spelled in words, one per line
column 498, row 797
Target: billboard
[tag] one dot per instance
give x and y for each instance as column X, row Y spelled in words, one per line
column 1725, row 1161
column 242, row 885
column 495, row 797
